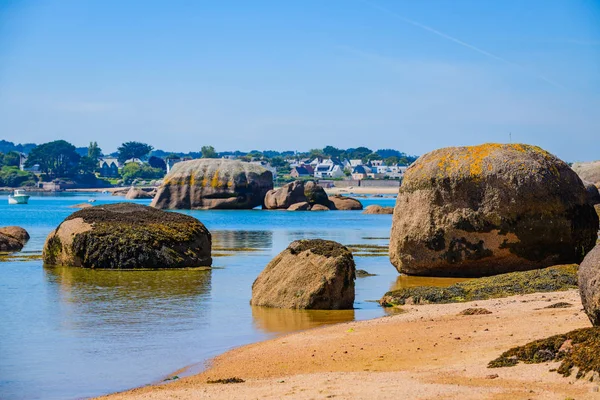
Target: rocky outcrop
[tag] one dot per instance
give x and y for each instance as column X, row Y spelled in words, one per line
column 312, row 274
column 302, row 206
column 376, row 209
column 588, row 171
column 319, row 207
column 285, row 196
column 339, row 202
column 490, row 209
column 589, row 285
column 128, row 236
column 137, row 193
column 593, row 196
column 12, row 238
column 214, row 184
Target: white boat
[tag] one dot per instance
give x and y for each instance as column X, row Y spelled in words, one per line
column 18, row 197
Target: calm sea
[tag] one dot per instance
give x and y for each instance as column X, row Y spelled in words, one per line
column 71, row 333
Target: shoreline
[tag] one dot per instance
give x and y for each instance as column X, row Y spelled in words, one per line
column 426, row 352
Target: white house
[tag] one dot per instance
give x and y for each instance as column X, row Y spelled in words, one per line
column 329, row 170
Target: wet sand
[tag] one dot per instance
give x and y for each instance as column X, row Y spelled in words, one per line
column 427, row 352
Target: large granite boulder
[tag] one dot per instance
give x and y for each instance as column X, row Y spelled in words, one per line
column 137, row 193
column 302, row 206
column 285, row 196
column 313, row 274
column 589, row 285
column 339, row 202
column 588, row 171
column 12, row 238
column 593, row 195
column 128, row 236
column 490, row 209
column 214, row 184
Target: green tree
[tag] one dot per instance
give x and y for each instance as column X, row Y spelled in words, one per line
column 87, row 165
column 94, row 152
column 133, row 171
column 57, row 158
column 12, row 159
column 314, row 153
column 393, row 160
column 133, row 150
column 208, row 152
column 332, row 151
column 157, row 162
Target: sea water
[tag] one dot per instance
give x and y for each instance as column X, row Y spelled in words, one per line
column 71, row 333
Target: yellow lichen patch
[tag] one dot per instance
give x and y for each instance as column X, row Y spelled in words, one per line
column 215, row 180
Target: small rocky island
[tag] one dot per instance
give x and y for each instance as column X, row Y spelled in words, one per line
column 214, row 184
column 490, row 209
column 311, row 274
column 307, row 196
column 128, row 236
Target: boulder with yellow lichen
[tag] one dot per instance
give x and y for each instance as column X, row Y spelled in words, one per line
column 214, row 184
column 490, row 209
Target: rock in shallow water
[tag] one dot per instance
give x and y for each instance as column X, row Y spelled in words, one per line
column 376, row 209
column 489, row 209
column 12, row 238
column 339, row 202
column 128, row 236
column 214, row 184
column 311, row 274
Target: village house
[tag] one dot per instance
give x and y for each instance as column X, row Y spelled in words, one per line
column 108, row 167
column 300, row 172
column 329, row 170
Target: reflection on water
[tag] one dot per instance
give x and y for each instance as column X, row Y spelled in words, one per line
column 139, row 300
column 278, row 320
column 406, row 281
column 242, row 239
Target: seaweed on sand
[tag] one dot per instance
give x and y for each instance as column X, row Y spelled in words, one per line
column 551, row 279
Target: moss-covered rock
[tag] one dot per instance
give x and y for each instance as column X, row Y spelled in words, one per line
column 310, row 274
column 552, row 279
column 490, row 209
column 315, row 194
column 128, row 236
column 578, row 349
column 214, row 184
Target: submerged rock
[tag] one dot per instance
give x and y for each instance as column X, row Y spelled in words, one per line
column 137, row 193
column 339, row 202
column 81, row 205
column 128, row 236
column 490, row 209
column 12, row 238
column 376, row 209
column 312, row 274
column 302, row 206
column 214, row 184
column 589, row 285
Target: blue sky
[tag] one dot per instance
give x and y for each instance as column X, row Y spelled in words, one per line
column 411, row 75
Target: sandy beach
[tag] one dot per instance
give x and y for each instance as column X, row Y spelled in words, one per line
column 362, row 190
column 426, row 352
